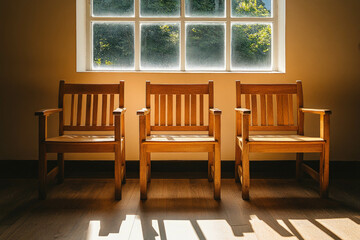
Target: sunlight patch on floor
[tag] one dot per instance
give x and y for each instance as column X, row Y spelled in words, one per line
column 344, row 228
column 306, row 229
column 180, row 229
column 264, row 231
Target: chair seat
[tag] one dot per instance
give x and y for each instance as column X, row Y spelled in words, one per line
column 179, row 138
column 83, row 138
column 282, row 138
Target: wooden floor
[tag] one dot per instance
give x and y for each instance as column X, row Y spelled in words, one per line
column 179, row 209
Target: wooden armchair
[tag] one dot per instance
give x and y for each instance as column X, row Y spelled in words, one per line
column 179, row 108
column 276, row 113
column 91, row 109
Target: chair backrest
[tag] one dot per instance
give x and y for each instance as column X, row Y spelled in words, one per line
column 273, row 106
column 179, row 107
column 89, row 107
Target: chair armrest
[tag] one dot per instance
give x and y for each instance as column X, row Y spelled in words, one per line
column 243, row 110
column 47, row 112
column 143, row 111
column 119, row 111
column 315, row 111
column 215, row 111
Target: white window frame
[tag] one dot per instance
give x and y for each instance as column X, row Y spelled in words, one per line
column 84, row 21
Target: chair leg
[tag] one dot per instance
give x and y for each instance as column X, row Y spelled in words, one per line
column 60, row 159
column 42, row 171
column 299, row 160
column 118, row 164
column 148, row 160
column 237, row 162
column 123, row 162
column 217, row 173
column 245, row 185
column 143, row 173
column 210, row 163
column 324, row 172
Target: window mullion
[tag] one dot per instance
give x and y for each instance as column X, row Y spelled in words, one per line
column 137, row 35
column 228, row 36
column 89, row 39
column 182, row 36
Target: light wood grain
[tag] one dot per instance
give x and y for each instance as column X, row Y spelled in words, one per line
column 188, row 110
column 162, row 109
column 170, row 110
column 284, row 123
column 86, row 120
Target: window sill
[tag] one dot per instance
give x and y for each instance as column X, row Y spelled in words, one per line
column 183, row 72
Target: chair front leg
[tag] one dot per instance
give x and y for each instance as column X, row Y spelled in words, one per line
column 42, row 156
column 210, row 164
column 245, row 183
column 325, row 155
column 118, row 177
column 217, row 173
column 143, row 172
column 237, row 161
column 324, row 172
column 148, row 161
column 123, row 162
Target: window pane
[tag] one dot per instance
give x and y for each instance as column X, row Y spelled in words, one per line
column 113, row 8
column 160, row 8
column 205, row 46
column 160, row 48
column 251, row 8
column 251, row 46
column 113, row 46
column 205, row 8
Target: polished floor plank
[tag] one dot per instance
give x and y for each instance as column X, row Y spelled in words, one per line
column 179, row 209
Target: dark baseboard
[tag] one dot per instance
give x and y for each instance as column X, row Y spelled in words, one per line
column 174, row 169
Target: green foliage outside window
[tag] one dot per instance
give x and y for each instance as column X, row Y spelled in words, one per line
column 113, row 45
column 251, row 43
column 160, row 46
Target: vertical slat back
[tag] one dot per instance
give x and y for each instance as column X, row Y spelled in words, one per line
column 178, row 110
column 270, row 109
column 178, row 107
column 162, row 109
column 156, row 107
column 91, row 106
column 193, row 109
column 187, row 109
column 112, row 103
column 88, row 109
column 201, row 109
column 263, row 109
column 72, row 113
column 95, row 109
column 104, row 110
column 272, row 105
column 79, row 110
column 254, row 110
column 170, row 110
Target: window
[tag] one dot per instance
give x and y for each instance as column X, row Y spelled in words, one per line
column 181, row 35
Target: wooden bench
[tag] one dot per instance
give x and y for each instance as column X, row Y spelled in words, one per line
column 91, row 110
column 179, row 108
column 273, row 108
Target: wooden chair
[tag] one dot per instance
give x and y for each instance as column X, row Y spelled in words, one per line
column 91, row 109
column 271, row 107
column 180, row 108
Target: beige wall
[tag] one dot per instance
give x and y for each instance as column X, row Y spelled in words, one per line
column 38, row 49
